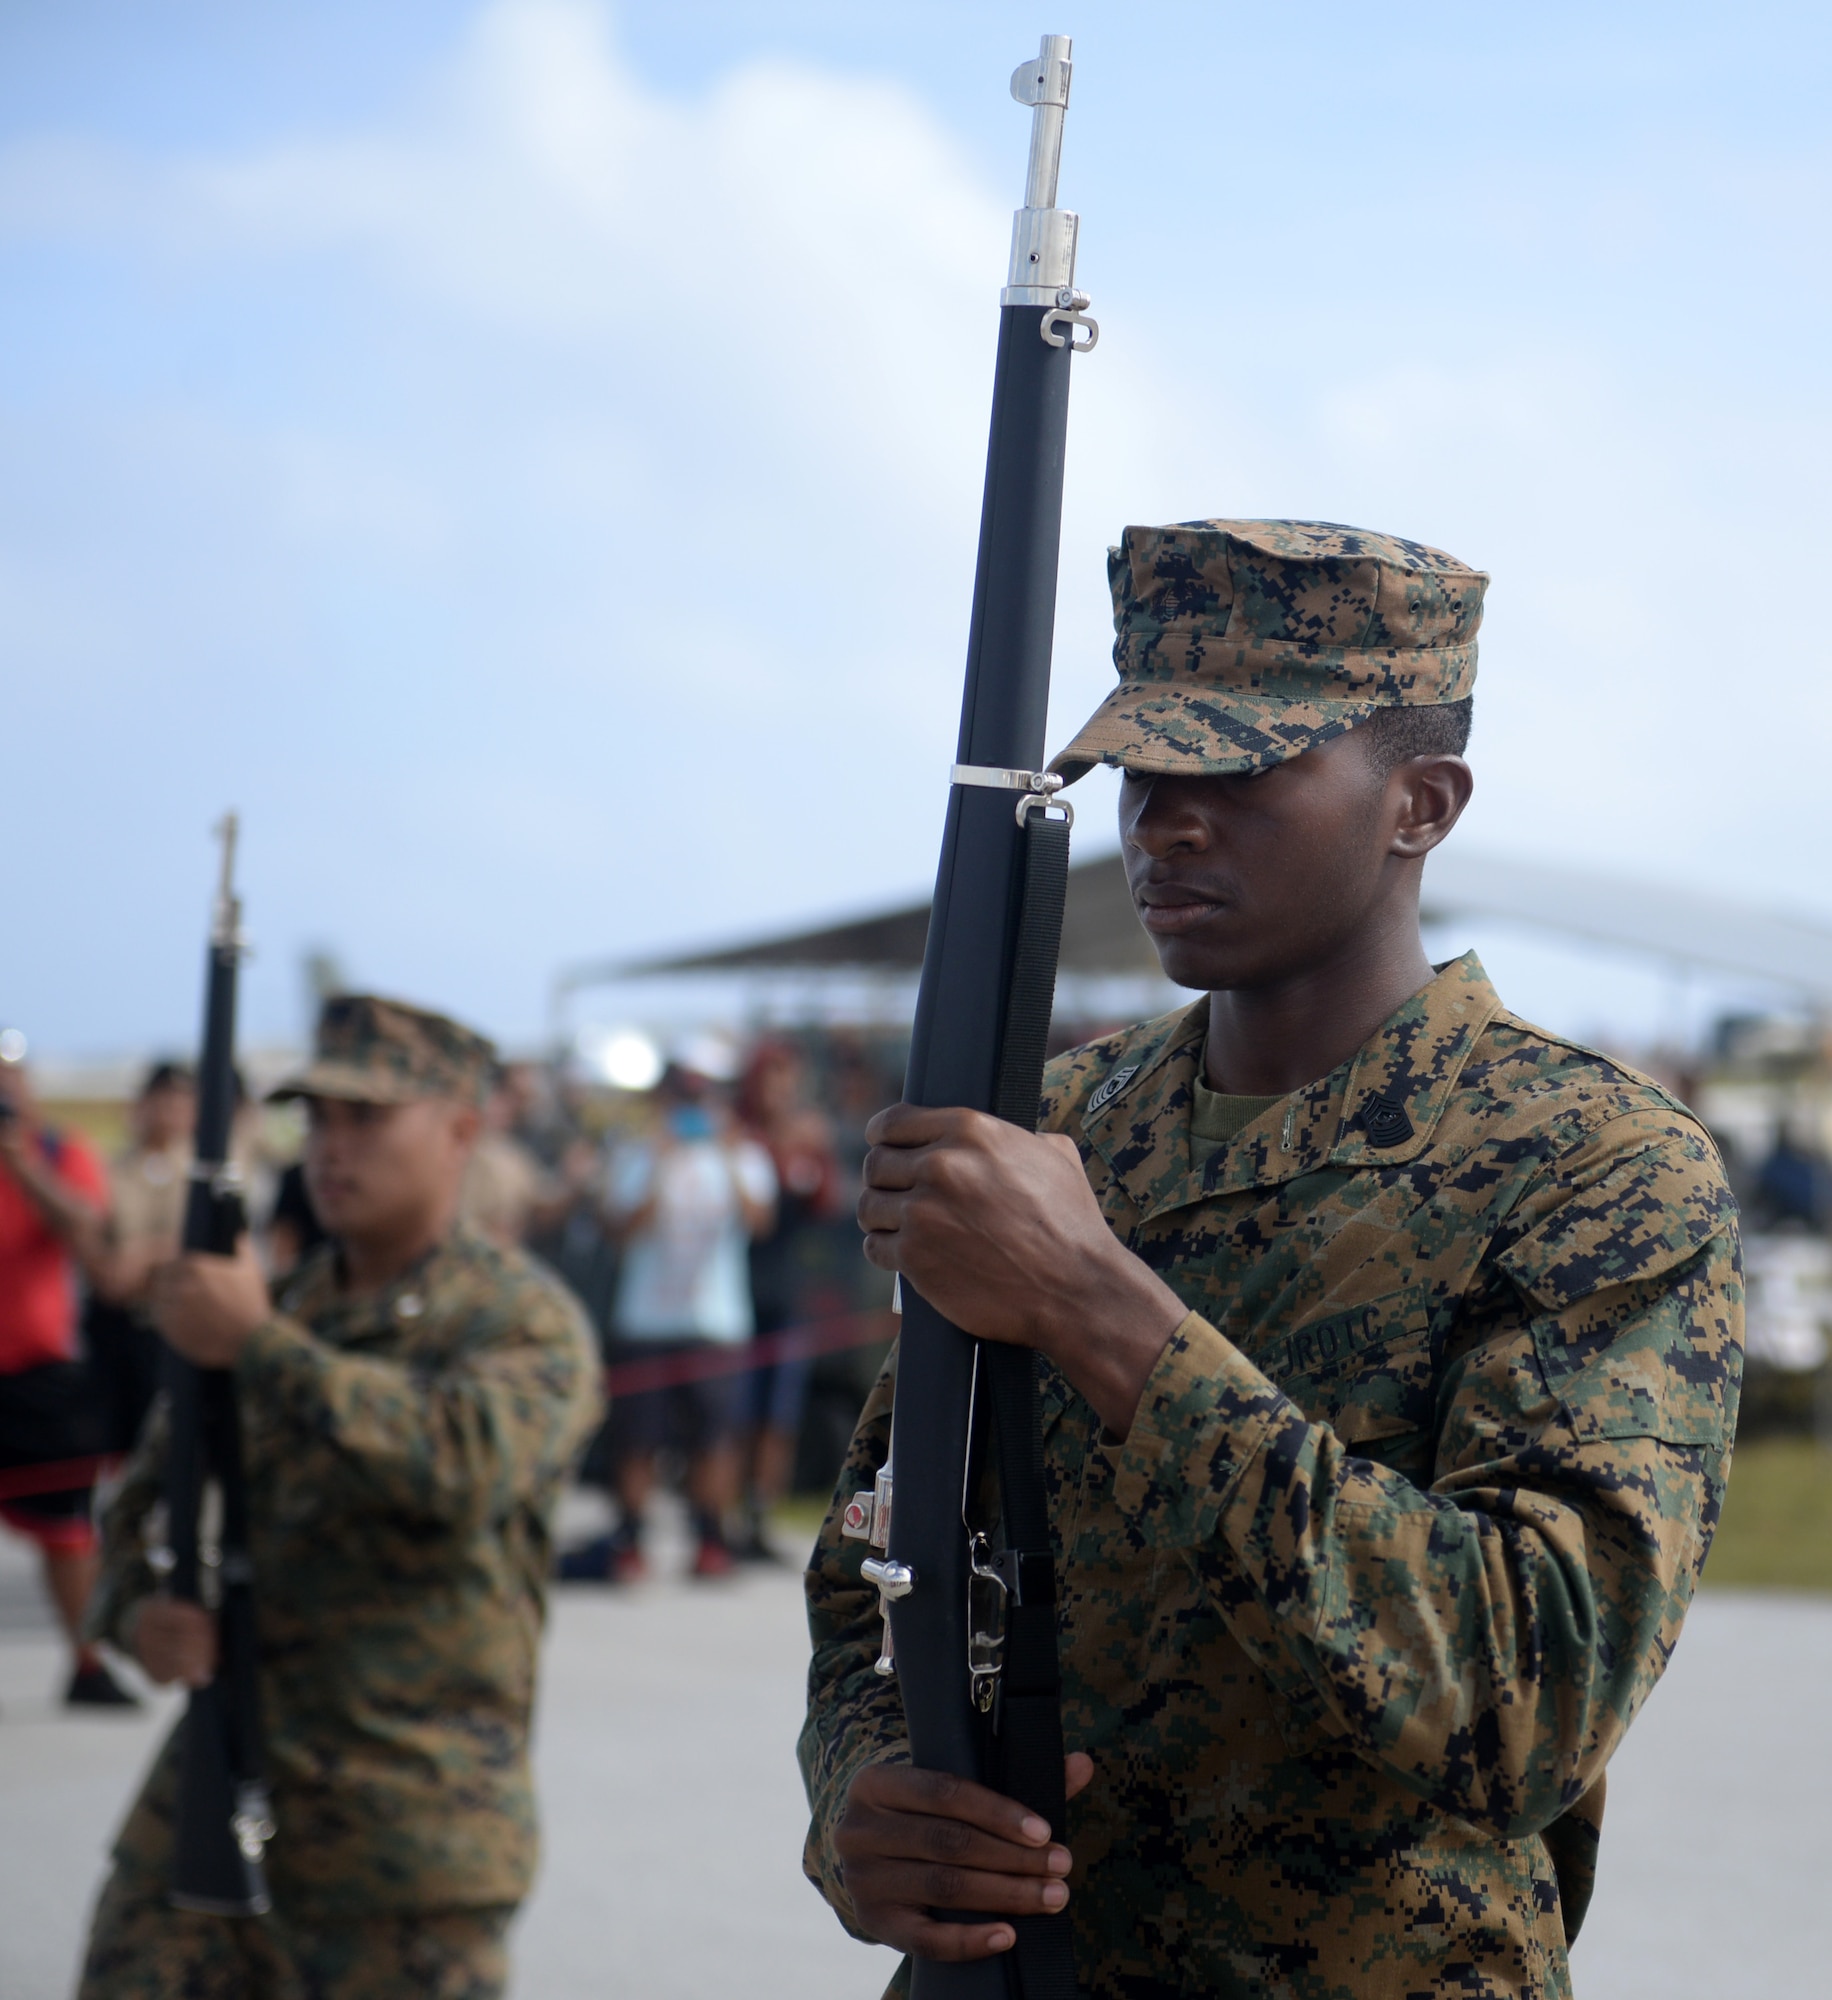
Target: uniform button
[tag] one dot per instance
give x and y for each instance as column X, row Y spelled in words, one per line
column 409, row 1305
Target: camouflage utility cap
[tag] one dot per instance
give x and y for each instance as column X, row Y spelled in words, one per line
column 370, row 1051
column 1242, row 643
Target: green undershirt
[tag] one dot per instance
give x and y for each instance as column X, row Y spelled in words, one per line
column 1218, row 1118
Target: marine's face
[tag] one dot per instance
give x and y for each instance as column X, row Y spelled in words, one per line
column 1247, row 881
column 376, row 1172
column 166, row 1115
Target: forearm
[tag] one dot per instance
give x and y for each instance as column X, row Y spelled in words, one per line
column 70, row 1216
column 459, row 1445
column 1106, row 1327
column 127, row 1578
column 854, row 1720
column 1485, row 1641
column 855, row 1715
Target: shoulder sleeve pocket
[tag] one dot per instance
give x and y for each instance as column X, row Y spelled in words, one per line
column 1629, row 1254
column 1661, row 1358
column 1606, row 1221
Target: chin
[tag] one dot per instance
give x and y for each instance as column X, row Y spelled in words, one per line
column 339, row 1218
column 1184, row 962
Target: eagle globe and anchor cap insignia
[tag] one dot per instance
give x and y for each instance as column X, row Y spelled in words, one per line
column 1113, row 1086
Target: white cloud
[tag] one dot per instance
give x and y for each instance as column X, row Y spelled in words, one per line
column 573, row 430
column 556, row 499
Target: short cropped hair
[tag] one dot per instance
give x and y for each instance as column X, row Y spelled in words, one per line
column 1396, row 735
column 168, row 1076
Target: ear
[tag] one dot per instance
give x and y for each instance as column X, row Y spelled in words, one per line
column 1426, row 796
column 467, row 1122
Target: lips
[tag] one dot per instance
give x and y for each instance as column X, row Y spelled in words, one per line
column 1167, row 910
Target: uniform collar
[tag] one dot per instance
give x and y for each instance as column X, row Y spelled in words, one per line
column 316, row 1296
column 1379, row 1109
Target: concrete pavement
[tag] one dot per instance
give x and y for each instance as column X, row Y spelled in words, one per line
column 674, row 1814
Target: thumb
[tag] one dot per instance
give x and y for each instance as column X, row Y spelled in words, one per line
column 1077, row 1773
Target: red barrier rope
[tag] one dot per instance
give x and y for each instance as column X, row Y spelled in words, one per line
column 701, row 1364
column 55, row 1475
column 626, row 1378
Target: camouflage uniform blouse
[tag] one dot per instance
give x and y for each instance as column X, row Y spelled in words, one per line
column 1405, row 1528
column 404, row 1451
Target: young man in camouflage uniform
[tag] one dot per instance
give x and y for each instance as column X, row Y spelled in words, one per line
column 408, row 1414
column 1389, row 1358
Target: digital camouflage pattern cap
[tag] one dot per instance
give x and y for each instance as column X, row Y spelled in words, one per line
column 372, row 1051
column 1242, row 643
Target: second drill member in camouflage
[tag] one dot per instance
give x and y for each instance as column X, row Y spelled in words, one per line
column 408, row 1415
column 1389, row 1351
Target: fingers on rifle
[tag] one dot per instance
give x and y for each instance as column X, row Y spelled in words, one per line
column 879, row 1211
column 917, row 1124
column 893, row 1167
column 893, row 1839
column 880, row 1249
column 939, row 1885
column 954, row 1944
column 901, row 1788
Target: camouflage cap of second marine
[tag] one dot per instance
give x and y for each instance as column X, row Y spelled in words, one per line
column 373, row 1051
column 1242, row 643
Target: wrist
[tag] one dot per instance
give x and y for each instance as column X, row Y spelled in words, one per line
column 1106, row 1329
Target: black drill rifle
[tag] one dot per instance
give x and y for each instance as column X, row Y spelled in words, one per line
column 224, row 1821
column 974, row 1626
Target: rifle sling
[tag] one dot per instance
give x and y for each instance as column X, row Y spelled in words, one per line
column 1027, row 1753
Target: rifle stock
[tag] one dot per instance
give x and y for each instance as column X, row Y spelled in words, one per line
column 223, row 1815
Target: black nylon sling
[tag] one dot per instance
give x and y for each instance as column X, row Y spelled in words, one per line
column 1027, row 1719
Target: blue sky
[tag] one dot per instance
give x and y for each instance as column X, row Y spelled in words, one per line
column 527, row 455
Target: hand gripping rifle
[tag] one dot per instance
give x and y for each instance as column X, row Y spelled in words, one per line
column 224, row 1821
column 970, row 1601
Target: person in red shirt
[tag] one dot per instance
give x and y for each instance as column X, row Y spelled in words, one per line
column 53, row 1203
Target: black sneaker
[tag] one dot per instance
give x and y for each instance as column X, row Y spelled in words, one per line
column 96, row 1687
column 590, row 1562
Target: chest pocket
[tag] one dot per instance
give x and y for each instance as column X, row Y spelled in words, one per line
column 1368, row 1373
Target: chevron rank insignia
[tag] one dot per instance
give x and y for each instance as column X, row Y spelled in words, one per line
column 1113, row 1086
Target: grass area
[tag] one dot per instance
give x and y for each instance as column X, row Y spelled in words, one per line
column 1777, row 1528
column 1776, row 1533
column 798, row 1520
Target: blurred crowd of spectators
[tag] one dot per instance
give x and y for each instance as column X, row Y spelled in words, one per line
column 705, row 1225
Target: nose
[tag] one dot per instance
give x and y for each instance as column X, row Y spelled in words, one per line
column 1159, row 816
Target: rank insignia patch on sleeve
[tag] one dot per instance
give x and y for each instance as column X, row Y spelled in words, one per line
column 1113, row 1086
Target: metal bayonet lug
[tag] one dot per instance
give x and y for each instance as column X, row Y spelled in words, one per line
column 226, row 910
column 1042, row 267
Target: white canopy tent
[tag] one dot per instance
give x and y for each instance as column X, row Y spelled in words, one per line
column 1104, row 946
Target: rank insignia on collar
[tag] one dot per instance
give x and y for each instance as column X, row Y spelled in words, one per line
column 1385, row 1122
column 1113, row 1086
